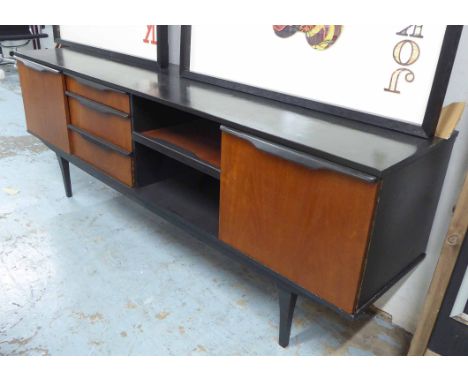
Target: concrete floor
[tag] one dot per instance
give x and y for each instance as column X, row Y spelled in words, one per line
column 98, row 275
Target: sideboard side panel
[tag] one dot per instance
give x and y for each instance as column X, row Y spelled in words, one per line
column 406, row 209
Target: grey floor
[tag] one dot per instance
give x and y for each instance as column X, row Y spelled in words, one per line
column 98, row 275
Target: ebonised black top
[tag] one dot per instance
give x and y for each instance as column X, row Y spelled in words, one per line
column 357, row 145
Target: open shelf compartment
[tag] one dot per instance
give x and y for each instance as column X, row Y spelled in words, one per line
column 181, row 190
column 184, row 137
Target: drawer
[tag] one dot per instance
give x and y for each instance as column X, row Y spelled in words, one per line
column 107, row 160
column 99, row 93
column 101, row 121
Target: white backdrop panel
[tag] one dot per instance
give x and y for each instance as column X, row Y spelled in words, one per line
column 121, row 39
column 351, row 74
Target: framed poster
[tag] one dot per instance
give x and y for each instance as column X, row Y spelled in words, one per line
column 142, row 45
column 391, row 76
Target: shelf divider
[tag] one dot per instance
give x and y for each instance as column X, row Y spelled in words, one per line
column 196, row 145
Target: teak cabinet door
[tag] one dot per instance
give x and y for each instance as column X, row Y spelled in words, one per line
column 44, row 103
column 311, row 226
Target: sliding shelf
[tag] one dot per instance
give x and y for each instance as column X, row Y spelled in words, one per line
column 194, row 144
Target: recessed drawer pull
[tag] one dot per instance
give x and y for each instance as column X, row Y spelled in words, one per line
column 96, row 85
column 36, row 66
column 299, row 157
column 97, row 106
column 100, row 142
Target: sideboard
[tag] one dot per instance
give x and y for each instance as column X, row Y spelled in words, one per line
column 330, row 209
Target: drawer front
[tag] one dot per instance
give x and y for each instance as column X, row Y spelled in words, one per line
column 112, row 128
column 112, row 163
column 310, row 225
column 99, row 93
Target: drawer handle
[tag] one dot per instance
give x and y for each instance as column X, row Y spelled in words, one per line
column 35, row 66
column 100, row 142
column 299, row 157
column 96, row 106
column 96, row 86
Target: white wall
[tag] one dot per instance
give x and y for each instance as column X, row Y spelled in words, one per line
column 404, row 301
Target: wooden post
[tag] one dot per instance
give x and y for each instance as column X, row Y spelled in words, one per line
column 442, row 274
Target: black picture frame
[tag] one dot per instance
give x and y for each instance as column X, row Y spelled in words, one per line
column 162, row 50
column 433, row 108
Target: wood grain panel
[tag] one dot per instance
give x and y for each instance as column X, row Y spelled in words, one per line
column 311, row 226
column 203, row 142
column 110, row 162
column 116, row 100
column 45, row 105
column 112, row 128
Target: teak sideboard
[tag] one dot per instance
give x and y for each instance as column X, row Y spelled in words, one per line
column 330, row 209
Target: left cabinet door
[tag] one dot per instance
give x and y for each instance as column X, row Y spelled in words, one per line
column 45, row 105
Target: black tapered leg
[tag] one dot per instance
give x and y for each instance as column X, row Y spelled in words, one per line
column 65, row 168
column 287, row 303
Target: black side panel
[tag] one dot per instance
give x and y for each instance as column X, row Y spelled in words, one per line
column 450, row 337
column 405, row 212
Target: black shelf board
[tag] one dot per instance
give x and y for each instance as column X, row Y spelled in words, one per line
column 178, row 153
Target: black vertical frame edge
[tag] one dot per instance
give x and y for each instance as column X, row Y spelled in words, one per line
column 163, row 46
column 185, row 40
column 56, row 32
column 433, row 108
column 441, row 78
column 162, row 51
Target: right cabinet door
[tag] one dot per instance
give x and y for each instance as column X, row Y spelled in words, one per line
column 45, row 106
column 310, row 225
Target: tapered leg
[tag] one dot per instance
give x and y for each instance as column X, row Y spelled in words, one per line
column 65, row 168
column 287, row 303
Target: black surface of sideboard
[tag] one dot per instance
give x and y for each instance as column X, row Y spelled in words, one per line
column 357, row 145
